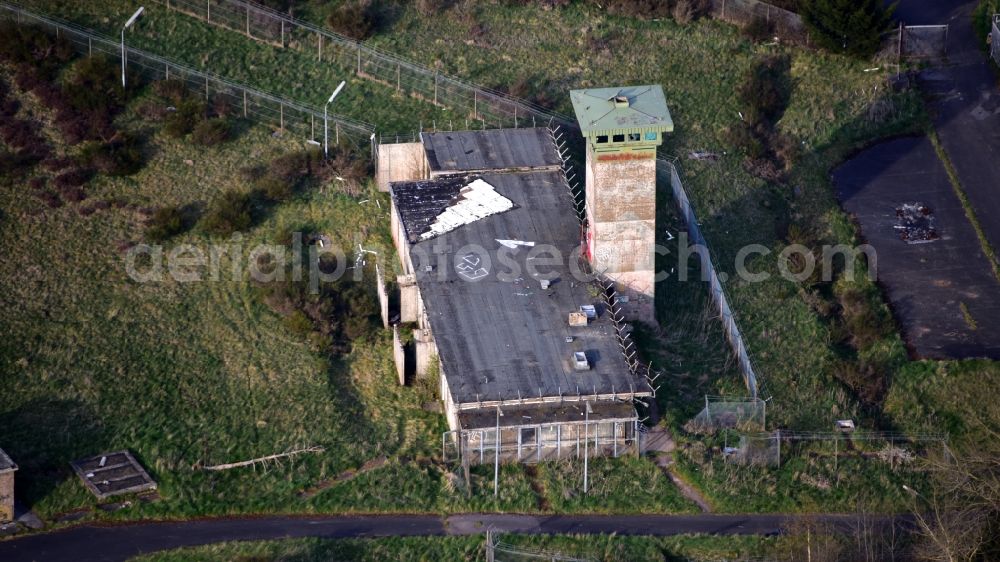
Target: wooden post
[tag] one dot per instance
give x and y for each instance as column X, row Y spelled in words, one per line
column 312, row 119
column 336, row 128
column 281, row 109
column 319, row 46
column 282, row 33
column 723, row 9
column 244, row 104
column 435, row 88
column 206, row 87
column 475, row 104
column 166, row 70
column 248, row 21
column 397, row 77
column 208, row 10
column 359, row 58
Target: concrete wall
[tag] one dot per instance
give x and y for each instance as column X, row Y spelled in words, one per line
column 426, row 351
column 400, row 162
column 409, row 298
column 399, row 356
column 6, row 497
column 383, row 296
column 621, row 217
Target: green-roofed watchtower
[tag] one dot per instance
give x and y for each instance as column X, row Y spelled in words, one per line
column 623, row 127
column 622, row 119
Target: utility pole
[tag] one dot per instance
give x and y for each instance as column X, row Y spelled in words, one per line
column 326, row 121
column 496, row 456
column 127, row 25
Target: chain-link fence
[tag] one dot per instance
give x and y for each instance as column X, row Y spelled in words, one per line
column 915, row 42
column 787, row 26
column 732, row 330
column 284, row 115
column 892, row 448
column 499, row 551
column 728, row 412
column 491, row 108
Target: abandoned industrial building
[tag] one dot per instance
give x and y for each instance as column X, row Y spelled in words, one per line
column 7, row 470
column 535, row 361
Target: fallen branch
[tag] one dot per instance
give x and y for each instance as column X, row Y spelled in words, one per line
column 252, row 462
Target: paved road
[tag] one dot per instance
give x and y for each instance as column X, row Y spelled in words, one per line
column 966, row 105
column 120, row 542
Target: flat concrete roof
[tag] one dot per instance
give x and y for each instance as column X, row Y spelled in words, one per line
column 6, row 464
column 489, row 150
column 499, row 334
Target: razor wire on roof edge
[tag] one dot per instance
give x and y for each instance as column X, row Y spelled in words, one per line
column 287, row 115
column 493, row 108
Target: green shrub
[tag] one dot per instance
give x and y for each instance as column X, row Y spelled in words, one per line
column 852, row 27
column 211, row 132
column 354, row 18
column 758, row 30
column 165, row 223
column 274, row 189
column 766, row 91
column 639, row 8
column 173, row 91
column 94, row 86
column 122, row 156
column 181, row 122
column 231, row 212
column 686, row 11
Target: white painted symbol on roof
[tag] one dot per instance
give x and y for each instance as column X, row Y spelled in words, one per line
column 469, row 268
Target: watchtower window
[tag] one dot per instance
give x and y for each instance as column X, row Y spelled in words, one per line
column 651, row 136
column 634, row 137
column 602, row 139
column 618, row 138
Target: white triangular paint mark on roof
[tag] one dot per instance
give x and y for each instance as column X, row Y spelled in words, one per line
column 475, row 201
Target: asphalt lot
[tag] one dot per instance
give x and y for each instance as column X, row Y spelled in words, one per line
column 926, row 283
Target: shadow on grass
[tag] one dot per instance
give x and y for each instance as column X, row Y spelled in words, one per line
column 43, row 436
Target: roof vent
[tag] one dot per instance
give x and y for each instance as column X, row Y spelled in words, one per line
column 580, row 362
column 545, row 283
column 620, row 100
column 589, row 310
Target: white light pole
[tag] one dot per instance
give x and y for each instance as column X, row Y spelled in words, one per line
column 586, row 443
column 326, row 121
column 496, row 457
column 128, row 24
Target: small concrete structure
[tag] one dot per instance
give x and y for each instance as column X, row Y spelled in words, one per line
column 7, row 470
column 112, row 474
column 400, row 162
column 623, row 128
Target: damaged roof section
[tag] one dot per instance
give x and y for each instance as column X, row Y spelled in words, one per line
column 511, row 150
column 475, row 201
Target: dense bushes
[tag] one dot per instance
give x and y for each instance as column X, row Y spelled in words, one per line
column 332, row 316
column 354, row 18
column 165, row 223
column 764, row 95
column 121, row 156
column 231, row 212
column 211, row 132
column 853, row 27
column 182, row 121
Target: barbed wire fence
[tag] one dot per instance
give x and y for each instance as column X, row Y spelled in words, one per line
column 282, row 114
column 492, row 109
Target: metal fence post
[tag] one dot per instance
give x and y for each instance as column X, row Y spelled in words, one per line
column 282, row 33
column 359, row 58
column 244, row 104
column 208, row 10
column 248, row 21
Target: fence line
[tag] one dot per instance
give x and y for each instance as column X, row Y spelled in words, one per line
column 786, row 24
column 995, row 39
column 726, row 314
column 492, row 108
column 286, row 115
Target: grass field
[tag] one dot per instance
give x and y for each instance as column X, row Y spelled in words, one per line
column 604, row 548
column 197, row 337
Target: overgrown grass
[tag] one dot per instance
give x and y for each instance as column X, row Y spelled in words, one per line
column 700, row 66
column 605, row 548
